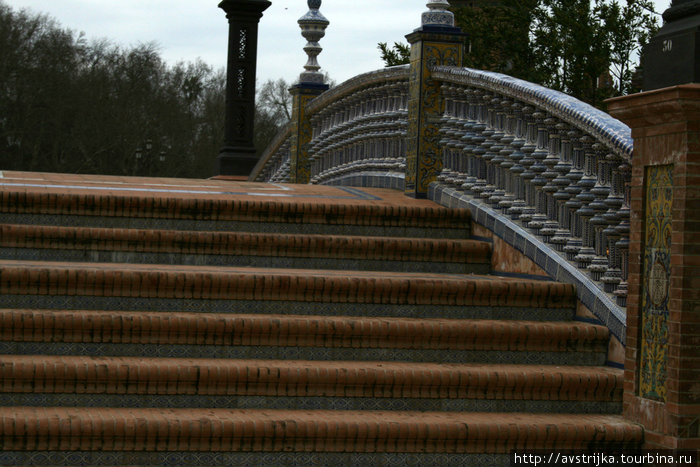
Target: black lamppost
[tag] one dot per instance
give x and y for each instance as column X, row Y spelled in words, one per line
column 238, row 156
column 672, row 57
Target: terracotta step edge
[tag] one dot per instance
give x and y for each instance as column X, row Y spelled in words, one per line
column 89, row 429
column 136, row 375
column 286, row 330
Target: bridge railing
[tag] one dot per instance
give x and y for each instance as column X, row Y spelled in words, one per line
column 556, row 167
column 360, row 127
column 274, row 163
column 357, row 127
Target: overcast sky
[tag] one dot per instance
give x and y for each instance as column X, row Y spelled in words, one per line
column 188, row 29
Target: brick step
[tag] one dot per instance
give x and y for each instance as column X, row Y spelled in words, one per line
column 52, row 243
column 229, row 213
column 27, row 284
column 171, row 334
column 225, row 430
column 180, row 382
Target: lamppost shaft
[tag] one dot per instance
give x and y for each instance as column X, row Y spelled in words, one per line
column 238, row 155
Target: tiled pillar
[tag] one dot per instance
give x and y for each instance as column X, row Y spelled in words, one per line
column 311, row 83
column 662, row 366
column 301, row 130
column 437, row 42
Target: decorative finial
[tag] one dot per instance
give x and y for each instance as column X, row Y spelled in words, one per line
column 438, row 15
column 313, row 27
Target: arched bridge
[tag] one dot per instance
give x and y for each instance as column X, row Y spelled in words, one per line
column 547, row 174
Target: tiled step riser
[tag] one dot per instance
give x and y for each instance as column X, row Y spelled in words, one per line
column 312, row 385
column 247, row 459
column 572, row 357
column 229, row 209
column 241, row 261
column 312, row 403
column 332, row 309
column 227, row 226
column 270, row 227
column 242, row 243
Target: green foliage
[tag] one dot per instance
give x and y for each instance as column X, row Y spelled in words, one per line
column 586, row 48
column 399, row 54
column 70, row 105
column 589, row 49
column 499, row 37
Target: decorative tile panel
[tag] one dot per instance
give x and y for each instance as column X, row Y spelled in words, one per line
column 301, row 132
column 656, row 279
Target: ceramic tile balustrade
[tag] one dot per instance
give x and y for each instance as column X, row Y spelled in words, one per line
column 535, row 160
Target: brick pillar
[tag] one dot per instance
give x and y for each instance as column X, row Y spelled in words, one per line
column 662, row 366
column 301, row 130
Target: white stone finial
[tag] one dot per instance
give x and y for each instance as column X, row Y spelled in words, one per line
column 313, row 27
column 438, row 15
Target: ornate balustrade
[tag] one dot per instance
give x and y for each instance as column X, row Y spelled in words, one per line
column 558, row 166
column 357, row 127
column 274, row 164
column 360, row 126
column 552, row 166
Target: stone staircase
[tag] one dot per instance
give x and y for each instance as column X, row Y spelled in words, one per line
column 221, row 323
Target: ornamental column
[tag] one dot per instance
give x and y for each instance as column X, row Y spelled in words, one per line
column 238, row 155
column 437, row 42
column 311, row 83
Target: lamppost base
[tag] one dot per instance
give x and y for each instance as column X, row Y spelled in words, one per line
column 236, row 162
column 671, row 57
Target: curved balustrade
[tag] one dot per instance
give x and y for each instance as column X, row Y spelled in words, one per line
column 274, row 164
column 558, row 166
column 551, row 167
column 360, row 126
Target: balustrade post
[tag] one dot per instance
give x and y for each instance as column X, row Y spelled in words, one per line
column 517, row 169
column 436, row 42
column 311, row 84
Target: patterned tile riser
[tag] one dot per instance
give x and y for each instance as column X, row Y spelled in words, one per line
column 263, row 227
column 247, row 261
column 258, row 459
column 281, row 307
column 308, row 403
column 573, row 357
